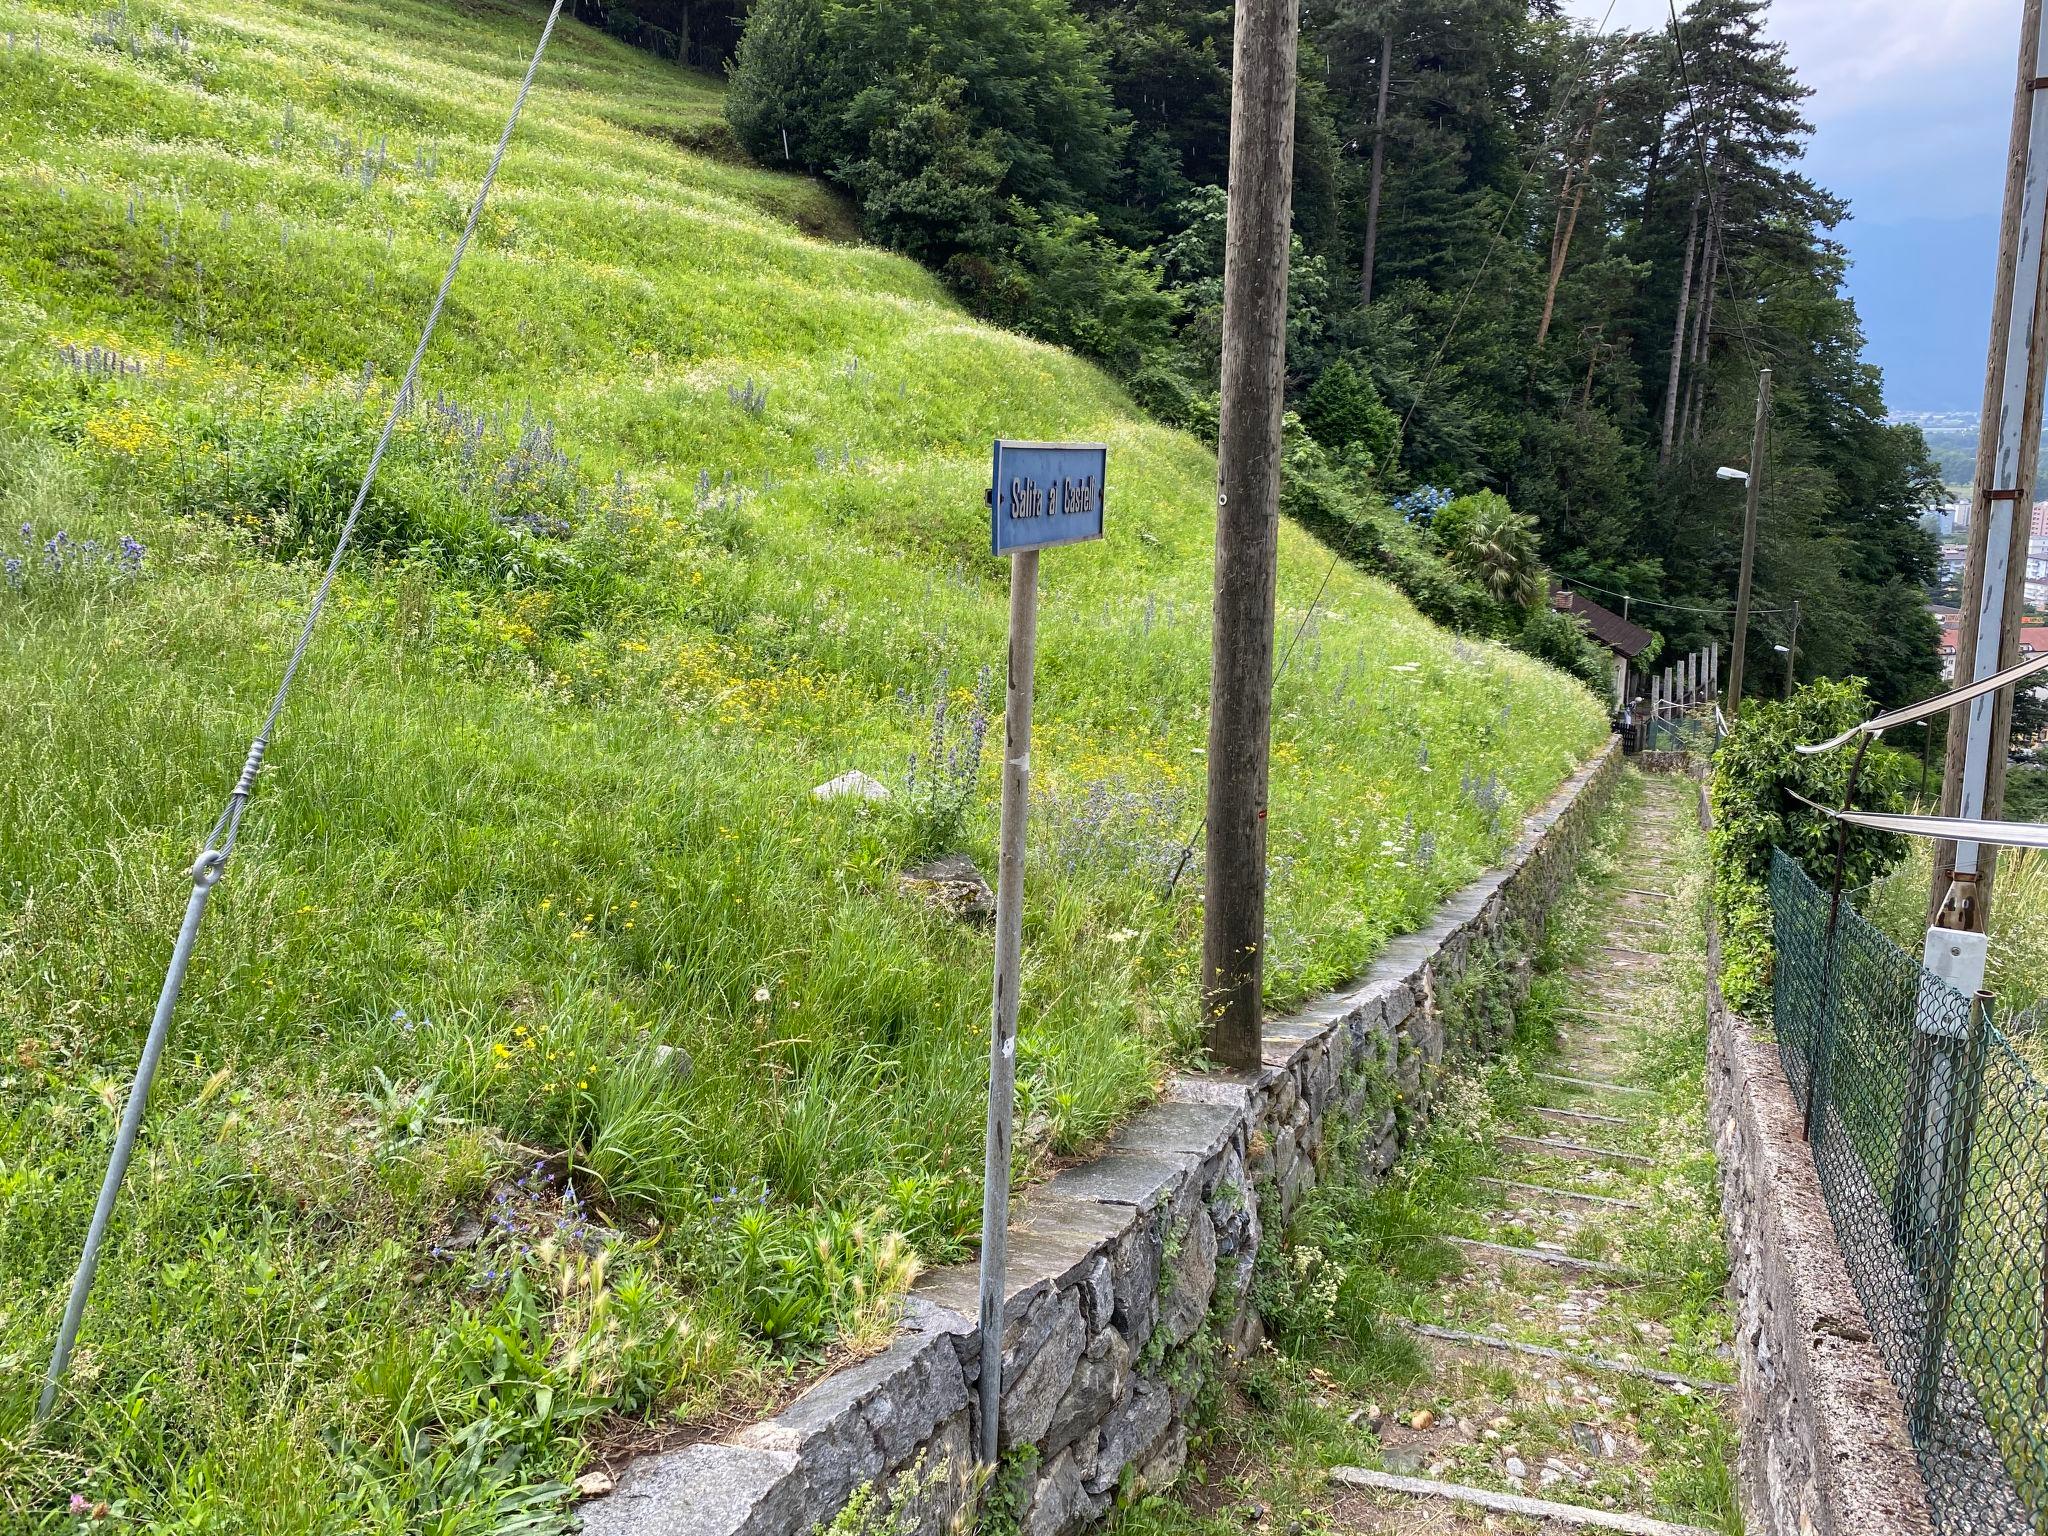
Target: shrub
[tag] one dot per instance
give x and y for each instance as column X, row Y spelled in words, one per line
column 1563, row 640
column 1343, row 408
column 1066, row 282
column 1756, row 774
column 1333, row 498
column 934, row 112
column 1495, row 545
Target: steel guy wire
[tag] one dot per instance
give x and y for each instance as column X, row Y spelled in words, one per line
column 229, row 824
column 213, row 857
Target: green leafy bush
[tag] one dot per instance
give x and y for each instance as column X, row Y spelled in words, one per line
column 1495, row 545
column 1064, row 281
column 1562, row 640
column 935, row 112
column 1756, row 775
column 1343, row 408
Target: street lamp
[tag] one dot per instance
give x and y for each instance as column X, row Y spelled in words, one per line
column 1740, row 476
column 1786, row 652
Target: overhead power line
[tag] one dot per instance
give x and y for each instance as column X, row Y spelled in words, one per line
column 1649, row 602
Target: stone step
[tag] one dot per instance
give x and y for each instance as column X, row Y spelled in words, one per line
column 1579, row 1117
column 1605, row 1016
column 1589, row 1363
column 1544, row 1256
column 1560, row 1146
column 1577, row 1515
column 1592, row 1084
column 1562, row 1196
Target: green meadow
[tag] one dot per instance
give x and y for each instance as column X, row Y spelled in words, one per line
column 554, row 1063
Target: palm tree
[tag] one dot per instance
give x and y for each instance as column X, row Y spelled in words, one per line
column 1496, row 544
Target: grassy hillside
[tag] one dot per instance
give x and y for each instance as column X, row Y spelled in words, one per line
column 688, row 520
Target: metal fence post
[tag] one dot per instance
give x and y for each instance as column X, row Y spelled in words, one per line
column 1951, row 968
column 1817, row 1064
column 1966, row 1058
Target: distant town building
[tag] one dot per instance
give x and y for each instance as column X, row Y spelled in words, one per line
column 2033, row 639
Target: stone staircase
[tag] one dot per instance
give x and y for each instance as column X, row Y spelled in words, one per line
column 1558, row 1387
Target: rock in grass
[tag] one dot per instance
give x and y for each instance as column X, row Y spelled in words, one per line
column 851, row 785
column 953, row 885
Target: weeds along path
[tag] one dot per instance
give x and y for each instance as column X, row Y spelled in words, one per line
column 1523, row 1329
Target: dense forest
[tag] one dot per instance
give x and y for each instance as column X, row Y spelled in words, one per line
column 1537, row 271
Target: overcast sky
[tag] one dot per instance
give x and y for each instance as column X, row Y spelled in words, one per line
column 1912, row 108
column 1912, row 98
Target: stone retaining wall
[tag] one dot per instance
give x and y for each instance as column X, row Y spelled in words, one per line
column 1129, row 1276
column 1824, row 1445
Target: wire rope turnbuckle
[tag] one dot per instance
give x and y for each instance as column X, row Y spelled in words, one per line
column 220, row 842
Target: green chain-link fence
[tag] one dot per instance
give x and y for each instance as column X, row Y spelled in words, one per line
column 1930, row 1134
column 1693, row 731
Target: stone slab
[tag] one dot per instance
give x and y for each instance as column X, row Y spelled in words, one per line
column 701, row 1490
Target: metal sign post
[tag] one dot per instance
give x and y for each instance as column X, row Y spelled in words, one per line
column 1044, row 494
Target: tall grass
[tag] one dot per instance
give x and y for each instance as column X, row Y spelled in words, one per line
column 686, row 522
column 2017, row 967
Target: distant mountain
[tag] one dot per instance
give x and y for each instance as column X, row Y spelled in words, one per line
column 1952, row 439
column 1923, row 288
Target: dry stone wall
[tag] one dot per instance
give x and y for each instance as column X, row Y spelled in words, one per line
column 1129, row 1276
column 1824, row 1445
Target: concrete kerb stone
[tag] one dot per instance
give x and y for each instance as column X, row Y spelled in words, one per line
column 1145, row 1236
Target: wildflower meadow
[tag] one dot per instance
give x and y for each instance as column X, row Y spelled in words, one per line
column 556, row 1066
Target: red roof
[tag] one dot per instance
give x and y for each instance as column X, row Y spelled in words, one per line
column 1609, row 628
column 2033, row 637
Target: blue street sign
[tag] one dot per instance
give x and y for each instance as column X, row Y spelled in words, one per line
column 1046, row 494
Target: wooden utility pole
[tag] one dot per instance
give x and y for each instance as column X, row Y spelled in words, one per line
column 1248, row 523
column 1756, row 485
column 2008, row 458
column 1379, row 164
column 1792, row 653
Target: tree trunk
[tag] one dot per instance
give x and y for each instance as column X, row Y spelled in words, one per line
column 1248, row 524
column 1379, row 166
column 1692, row 231
column 1703, row 337
column 1561, row 242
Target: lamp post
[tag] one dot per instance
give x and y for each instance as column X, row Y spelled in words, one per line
column 1753, row 481
column 1786, row 652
